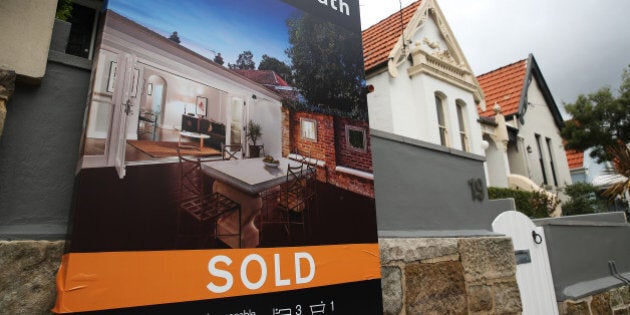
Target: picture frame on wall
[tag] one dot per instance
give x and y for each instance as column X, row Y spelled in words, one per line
column 201, row 106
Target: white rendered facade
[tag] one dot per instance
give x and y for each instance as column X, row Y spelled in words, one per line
column 427, row 63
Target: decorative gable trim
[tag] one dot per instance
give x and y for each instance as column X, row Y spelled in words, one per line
column 449, row 65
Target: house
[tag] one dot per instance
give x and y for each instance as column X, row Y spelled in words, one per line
column 424, row 88
column 579, row 171
column 166, row 83
column 338, row 146
column 521, row 125
column 426, row 143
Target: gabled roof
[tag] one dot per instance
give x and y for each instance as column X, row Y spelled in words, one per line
column 380, row 38
column 575, row 159
column 508, row 87
column 503, row 86
column 267, row 77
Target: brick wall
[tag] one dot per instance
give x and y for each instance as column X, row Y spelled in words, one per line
column 347, row 155
column 324, row 147
column 329, row 147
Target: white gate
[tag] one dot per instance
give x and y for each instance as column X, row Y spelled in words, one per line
column 533, row 272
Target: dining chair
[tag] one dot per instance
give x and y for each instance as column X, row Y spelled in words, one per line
column 230, row 151
column 202, row 209
column 287, row 206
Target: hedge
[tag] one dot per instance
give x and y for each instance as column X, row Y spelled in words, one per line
column 532, row 204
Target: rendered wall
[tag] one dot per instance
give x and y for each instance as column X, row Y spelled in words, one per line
column 39, row 152
column 539, row 120
column 425, row 189
column 580, row 249
column 26, row 31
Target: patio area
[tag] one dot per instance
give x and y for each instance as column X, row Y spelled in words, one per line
column 139, row 212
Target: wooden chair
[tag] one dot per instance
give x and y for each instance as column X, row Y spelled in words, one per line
column 205, row 209
column 230, row 151
column 288, row 206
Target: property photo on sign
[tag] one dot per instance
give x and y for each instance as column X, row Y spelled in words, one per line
column 225, row 163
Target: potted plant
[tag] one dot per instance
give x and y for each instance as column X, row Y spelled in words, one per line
column 254, row 132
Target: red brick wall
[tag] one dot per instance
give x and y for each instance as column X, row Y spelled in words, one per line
column 326, row 149
column 322, row 149
column 348, row 156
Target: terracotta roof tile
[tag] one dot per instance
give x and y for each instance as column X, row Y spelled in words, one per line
column 268, row 77
column 380, row 38
column 575, row 159
column 503, row 86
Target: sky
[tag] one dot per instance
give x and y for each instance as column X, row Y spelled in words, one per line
column 216, row 26
column 580, row 45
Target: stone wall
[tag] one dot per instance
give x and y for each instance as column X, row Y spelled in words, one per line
column 27, row 276
column 419, row 276
column 449, row 276
column 612, row 302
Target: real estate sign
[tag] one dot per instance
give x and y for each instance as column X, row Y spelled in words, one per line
column 225, row 163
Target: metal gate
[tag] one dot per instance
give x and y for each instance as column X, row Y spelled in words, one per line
column 533, row 272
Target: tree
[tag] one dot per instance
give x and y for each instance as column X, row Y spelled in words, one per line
column 599, row 121
column 218, row 59
column 621, row 162
column 583, row 200
column 245, row 61
column 279, row 67
column 327, row 64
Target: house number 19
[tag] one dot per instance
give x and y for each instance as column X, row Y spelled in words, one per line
column 477, row 189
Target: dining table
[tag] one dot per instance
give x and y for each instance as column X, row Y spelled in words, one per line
column 243, row 181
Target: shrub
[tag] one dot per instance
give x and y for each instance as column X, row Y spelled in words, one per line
column 583, row 200
column 533, row 204
column 64, row 10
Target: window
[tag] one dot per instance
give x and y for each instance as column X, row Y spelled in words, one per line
column 461, row 114
column 553, row 169
column 308, row 129
column 355, row 138
column 84, row 22
column 540, row 159
column 439, row 104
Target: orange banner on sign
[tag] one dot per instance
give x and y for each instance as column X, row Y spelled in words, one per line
column 109, row 280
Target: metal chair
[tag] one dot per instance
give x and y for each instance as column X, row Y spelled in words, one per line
column 289, row 205
column 205, row 209
column 230, row 151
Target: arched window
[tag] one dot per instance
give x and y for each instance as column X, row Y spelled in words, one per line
column 441, row 116
column 461, row 119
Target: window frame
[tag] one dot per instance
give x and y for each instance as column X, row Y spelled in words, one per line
column 363, row 131
column 463, row 125
column 304, row 121
column 440, row 108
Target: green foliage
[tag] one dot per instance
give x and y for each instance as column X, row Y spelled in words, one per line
column 64, row 10
column 279, row 67
column 254, row 131
column 218, row 59
column 327, row 64
column 583, row 200
column 532, row 204
column 599, row 120
column 245, row 61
